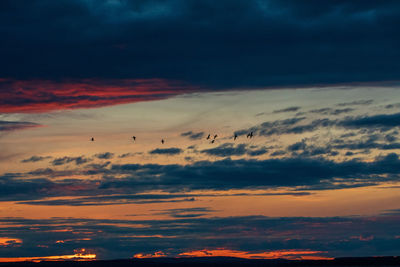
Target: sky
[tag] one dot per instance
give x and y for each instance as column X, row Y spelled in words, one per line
column 280, row 122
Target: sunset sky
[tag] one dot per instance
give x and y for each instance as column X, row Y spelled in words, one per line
column 316, row 82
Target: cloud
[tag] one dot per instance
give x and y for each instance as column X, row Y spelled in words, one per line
column 229, row 149
column 356, row 103
column 303, row 149
column 16, row 125
column 289, row 109
column 193, row 136
column 115, row 239
column 278, row 153
column 127, row 183
column 373, row 121
column 114, row 199
column 35, row 159
column 287, row 126
column 396, row 105
column 298, row 125
column 217, row 45
column 131, row 183
column 126, row 155
column 330, row 111
column 135, row 179
column 97, row 166
column 187, row 212
column 166, row 151
column 252, row 174
column 106, row 155
column 45, row 95
column 64, row 160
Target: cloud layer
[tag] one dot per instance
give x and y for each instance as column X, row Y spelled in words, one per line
column 46, row 95
column 128, row 51
column 111, row 239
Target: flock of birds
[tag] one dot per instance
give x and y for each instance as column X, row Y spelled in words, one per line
column 249, row 135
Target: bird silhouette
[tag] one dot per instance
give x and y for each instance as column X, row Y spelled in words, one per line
column 162, row 141
column 92, row 139
column 235, row 137
column 250, row 135
column 134, row 138
column 208, row 137
column 212, row 141
column 215, row 136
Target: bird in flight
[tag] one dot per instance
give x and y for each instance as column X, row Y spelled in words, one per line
column 215, row 136
column 212, row 141
column 92, row 139
column 235, row 137
column 134, row 138
column 208, row 137
column 162, row 141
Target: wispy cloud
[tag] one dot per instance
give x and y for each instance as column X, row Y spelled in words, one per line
column 35, row 159
column 288, row 109
column 193, row 136
column 16, row 125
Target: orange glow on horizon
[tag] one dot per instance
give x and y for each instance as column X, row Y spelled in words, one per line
column 78, row 256
column 290, row 254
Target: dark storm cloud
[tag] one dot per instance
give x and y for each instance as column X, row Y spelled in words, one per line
column 16, row 125
column 213, row 44
column 111, row 239
column 166, row 151
column 193, row 136
column 229, row 149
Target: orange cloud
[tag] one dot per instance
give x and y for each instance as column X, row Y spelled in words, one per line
column 7, row 241
column 157, row 254
column 30, row 96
